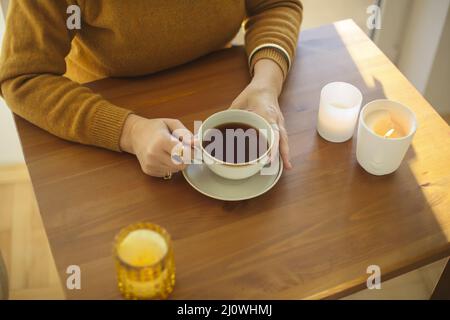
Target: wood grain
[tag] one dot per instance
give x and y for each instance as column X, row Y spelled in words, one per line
column 312, row 236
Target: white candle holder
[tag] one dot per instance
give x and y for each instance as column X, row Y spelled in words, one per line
column 340, row 103
column 381, row 155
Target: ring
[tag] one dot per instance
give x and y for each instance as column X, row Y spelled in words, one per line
column 168, row 176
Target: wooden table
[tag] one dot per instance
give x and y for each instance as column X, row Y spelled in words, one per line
column 312, row 236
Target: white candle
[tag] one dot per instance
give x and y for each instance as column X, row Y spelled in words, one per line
column 340, row 103
column 385, row 132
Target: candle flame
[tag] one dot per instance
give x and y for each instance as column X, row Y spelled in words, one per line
column 389, row 133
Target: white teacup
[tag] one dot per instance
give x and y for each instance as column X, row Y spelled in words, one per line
column 230, row 170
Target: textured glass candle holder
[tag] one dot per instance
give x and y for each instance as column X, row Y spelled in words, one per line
column 144, row 261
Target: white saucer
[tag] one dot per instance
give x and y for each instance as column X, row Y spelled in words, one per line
column 208, row 183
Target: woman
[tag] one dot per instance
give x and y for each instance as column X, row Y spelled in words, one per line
column 42, row 63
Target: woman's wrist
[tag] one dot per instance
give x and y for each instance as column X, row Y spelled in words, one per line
column 126, row 139
column 268, row 75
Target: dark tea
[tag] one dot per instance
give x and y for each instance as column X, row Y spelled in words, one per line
column 235, row 143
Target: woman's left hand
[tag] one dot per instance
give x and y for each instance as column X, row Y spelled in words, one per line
column 261, row 97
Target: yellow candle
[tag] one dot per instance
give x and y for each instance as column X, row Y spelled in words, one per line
column 145, row 265
column 142, row 248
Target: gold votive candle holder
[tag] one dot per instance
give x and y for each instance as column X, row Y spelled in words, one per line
column 144, row 261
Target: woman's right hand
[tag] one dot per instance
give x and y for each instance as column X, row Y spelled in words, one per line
column 155, row 142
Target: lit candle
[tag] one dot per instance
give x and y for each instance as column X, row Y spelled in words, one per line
column 383, row 124
column 144, row 263
column 142, row 248
column 340, row 103
column 385, row 132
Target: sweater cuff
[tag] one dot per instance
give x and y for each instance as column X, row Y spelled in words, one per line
column 107, row 125
column 272, row 54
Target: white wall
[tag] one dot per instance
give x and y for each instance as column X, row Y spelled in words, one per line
column 10, row 149
column 4, row 6
column 421, row 40
column 395, row 15
column 437, row 91
column 319, row 12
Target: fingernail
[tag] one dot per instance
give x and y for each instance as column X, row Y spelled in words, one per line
column 177, row 159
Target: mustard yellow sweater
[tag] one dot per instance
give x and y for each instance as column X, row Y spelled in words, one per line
column 42, row 62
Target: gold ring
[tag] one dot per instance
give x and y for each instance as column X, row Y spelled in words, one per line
column 181, row 152
column 168, row 176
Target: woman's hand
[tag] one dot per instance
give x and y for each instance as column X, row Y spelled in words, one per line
column 156, row 143
column 261, row 97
